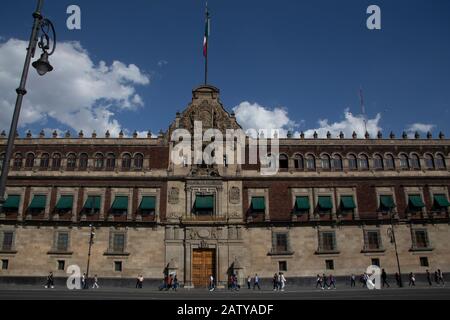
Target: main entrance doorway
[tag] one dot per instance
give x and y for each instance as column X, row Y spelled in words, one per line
column 203, row 266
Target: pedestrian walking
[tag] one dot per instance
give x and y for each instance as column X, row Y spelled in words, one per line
column 318, row 281
column 441, row 277
column 83, row 281
column 324, row 282
column 429, row 278
column 412, row 280
column 50, row 281
column 141, row 281
column 352, row 281
column 137, row 281
column 436, row 277
column 256, row 282
column 275, row 282
column 384, row 279
column 175, row 283
column 211, row 283
column 249, row 282
column 364, row 279
column 282, row 281
column 332, row 282
column 95, row 285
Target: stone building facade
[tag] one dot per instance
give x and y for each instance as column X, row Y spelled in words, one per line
column 329, row 209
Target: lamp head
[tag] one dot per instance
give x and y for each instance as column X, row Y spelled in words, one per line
column 42, row 65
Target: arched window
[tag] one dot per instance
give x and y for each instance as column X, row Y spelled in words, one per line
column 389, row 162
column 337, row 163
column 404, row 162
column 18, row 160
column 326, row 162
column 84, row 160
column 110, row 161
column 126, row 162
column 283, row 161
column 71, row 161
column 429, row 161
column 299, row 162
column 99, row 161
column 352, row 162
column 440, row 162
column 56, row 161
column 310, row 162
column 414, row 162
column 29, row 162
column 378, row 162
column 363, row 162
column 138, row 161
column 45, row 161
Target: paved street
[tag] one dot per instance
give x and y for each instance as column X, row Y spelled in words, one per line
column 420, row 293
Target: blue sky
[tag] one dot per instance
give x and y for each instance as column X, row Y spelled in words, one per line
column 307, row 57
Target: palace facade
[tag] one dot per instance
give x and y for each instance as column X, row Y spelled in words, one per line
column 329, row 209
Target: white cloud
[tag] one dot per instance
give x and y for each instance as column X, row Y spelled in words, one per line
column 254, row 116
column 347, row 126
column 78, row 93
column 420, row 127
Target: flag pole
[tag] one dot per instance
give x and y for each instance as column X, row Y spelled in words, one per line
column 207, row 40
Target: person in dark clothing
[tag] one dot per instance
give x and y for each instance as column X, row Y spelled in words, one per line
column 249, row 282
column 318, row 281
column 436, row 277
column 325, row 282
column 412, row 280
column 256, row 282
column 275, row 282
column 50, row 283
column 429, row 278
column 384, row 278
column 352, row 281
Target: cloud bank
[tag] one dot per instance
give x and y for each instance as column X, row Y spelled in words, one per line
column 78, row 93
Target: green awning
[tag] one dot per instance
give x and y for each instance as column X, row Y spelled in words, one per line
column 120, row 203
column 258, row 203
column 325, row 203
column 65, row 203
column 347, row 202
column 204, row 202
column 148, row 203
column 302, row 203
column 441, row 200
column 387, row 202
column 416, row 201
column 38, row 202
column 12, row 202
column 92, row 202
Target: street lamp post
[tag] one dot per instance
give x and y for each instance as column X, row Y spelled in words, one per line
column 91, row 242
column 391, row 232
column 39, row 38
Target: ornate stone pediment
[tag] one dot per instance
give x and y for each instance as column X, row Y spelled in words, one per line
column 207, row 108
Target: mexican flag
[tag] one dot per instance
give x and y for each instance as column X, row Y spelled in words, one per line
column 207, row 33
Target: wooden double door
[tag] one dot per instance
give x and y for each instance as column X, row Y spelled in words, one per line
column 203, row 266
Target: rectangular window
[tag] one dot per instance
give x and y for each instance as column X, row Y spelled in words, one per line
column 282, row 266
column 372, row 240
column 325, row 204
column 118, row 266
column 5, row 264
column 421, row 239
column 118, row 243
column 376, row 262
column 61, row 265
column 424, row 262
column 329, row 264
column 62, row 241
column 92, row 205
column 204, row 205
column 327, row 242
column 8, row 238
column 281, row 243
